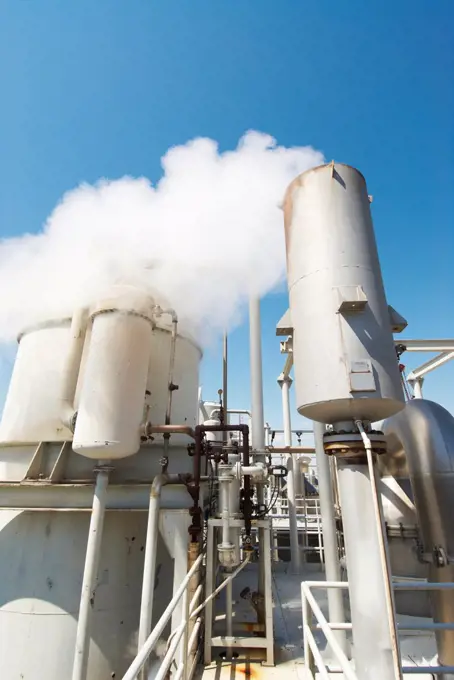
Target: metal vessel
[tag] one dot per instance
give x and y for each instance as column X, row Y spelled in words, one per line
column 148, row 534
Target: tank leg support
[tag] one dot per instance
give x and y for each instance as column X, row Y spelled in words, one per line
column 90, row 574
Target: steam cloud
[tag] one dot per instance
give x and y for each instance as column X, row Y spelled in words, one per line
column 208, row 235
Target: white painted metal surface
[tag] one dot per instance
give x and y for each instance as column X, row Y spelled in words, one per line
column 344, row 356
column 32, row 408
column 40, row 587
column 111, row 407
column 186, row 376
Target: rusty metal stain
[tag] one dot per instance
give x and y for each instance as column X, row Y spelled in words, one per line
column 248, row 671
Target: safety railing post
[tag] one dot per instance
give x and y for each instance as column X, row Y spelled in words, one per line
column 308, row 656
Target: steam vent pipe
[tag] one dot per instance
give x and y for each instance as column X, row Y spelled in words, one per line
column 346, row 371
column 423, row 435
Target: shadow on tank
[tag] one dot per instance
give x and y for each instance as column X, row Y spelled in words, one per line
column 41, row 571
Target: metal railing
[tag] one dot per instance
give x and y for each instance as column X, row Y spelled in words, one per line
column 308, row 513
column 310, row 609
column 188, row 643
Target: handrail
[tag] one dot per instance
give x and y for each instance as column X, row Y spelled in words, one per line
column 312, row 653
column 191, row 610
column 152, row 640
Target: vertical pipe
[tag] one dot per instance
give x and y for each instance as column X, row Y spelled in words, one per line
column 225, row 356
column 149, row 565
column 372, row 638
column 193, row 553
column 295, row 556
column 417, row 388
column 331, row 555
column 255, row 345
column 258, row 420
column 90, row 574
column 286, row 382
column 228, row 608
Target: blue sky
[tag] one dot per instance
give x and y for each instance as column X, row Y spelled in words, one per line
column 103, row 87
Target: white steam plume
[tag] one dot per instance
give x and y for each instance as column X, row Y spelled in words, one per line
column 205, row 237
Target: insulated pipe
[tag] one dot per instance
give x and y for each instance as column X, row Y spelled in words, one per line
column 225, row 377
column 225, row 478
column 332, row 564
column 148, row 429
column 372, row 638
column 423, row 433
column 291, row 449
column 72, row 366
column 383, row 547
column 90, row 574
column 417, row 388
column 285, row 382
column 151, row 550
column 255, row 347
column 257, row 422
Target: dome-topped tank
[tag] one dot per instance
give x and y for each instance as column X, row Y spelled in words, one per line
column 344, row 359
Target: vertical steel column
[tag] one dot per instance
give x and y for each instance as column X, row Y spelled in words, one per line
column 255, row 346
column 225, row 357
column 90, row 574
column 258, row 421
column 331, row 555
column 372, row 638
column 417, row 388
column 285, row 382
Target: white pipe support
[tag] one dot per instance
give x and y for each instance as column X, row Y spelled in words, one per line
column 417, row 387
column 72, row 366
column 151, row 550
column 384, row 555
column 92, row 557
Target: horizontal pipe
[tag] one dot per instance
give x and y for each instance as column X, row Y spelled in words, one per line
column 290, row 449
column 148, row 429
column 400, row 626
column 426, row 345
column 429, row 366
column 430, row 670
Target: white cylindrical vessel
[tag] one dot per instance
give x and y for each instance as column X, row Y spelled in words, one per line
column 344, row 359
column 40, row 586
column 112, row 398
column 32, row 411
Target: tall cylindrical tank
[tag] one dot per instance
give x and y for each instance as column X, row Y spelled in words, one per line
column 33, row 403
column 112, row 399
column 40, row 583
column 344, row 359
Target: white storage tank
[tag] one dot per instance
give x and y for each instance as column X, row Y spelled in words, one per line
column 112, row 399
column 186, row 375
column 40, row 584
column 33, row 404
column 344, row 359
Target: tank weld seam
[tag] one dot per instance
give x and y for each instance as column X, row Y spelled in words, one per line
column 325, row 269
